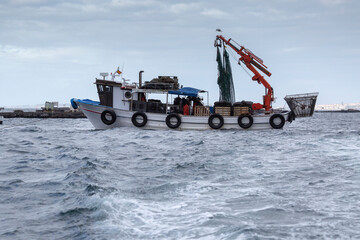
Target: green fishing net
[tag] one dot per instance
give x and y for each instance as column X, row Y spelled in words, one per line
column 225, row 79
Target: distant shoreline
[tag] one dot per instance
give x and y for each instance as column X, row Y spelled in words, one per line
column 42, row 114
column 338, row 111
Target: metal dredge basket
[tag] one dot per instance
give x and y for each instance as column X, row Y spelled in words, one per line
column 302, row 105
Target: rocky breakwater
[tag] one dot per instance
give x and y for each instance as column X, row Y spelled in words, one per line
column 43, row 114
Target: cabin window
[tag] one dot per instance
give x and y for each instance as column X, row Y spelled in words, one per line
column 108, row 89
column 104, row 88
column 105, row 94
column 100, row 88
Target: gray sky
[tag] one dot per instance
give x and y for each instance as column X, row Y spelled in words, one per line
column 53, row 50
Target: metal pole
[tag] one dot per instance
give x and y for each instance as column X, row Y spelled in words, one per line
column 140, row 78
column 131, row 103
column 167, row 96
column 207, row 93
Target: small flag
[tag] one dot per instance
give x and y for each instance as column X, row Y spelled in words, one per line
column 118, row 71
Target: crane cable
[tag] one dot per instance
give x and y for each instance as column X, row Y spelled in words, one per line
column 232, row 54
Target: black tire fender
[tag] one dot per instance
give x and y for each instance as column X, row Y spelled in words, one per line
column 107, row 121
column 243, row 125
column 272, row 121
column 211, row 121
column 171, row 125
column 135, row 121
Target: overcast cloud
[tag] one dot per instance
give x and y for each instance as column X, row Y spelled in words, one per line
column 53, row 50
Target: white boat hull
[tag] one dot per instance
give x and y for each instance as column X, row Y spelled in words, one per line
column 157, row 120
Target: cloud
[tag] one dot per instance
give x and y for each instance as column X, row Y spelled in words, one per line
column 333, row 2
column 132, row 3
column 274, row 14
column 26, row 2
column 36, row 53
column 293, row 49
column 83, row 7
column 182, row 7
column 215, row 13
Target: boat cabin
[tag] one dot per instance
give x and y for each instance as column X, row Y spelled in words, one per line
column 137, row 97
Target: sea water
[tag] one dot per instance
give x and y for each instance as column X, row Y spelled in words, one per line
column 61, row 179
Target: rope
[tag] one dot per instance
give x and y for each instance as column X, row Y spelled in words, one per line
column 235, row 58
column 246, row 71
column 236, row 43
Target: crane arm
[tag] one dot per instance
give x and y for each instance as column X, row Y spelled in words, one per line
column 251, row 61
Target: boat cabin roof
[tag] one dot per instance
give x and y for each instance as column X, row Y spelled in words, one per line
column 186, row 91
column 107, row 82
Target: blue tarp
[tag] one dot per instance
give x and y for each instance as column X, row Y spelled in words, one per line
column 187, row 91
column 88, row 101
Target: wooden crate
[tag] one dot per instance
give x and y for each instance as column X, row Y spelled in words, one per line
column 223, row 111
column 201, row 111
column 241, row 110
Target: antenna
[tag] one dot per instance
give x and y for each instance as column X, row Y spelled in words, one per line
column 104, row 74
column 125, row 81
column 114, row 75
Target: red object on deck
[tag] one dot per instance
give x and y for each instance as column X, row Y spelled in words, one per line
column 186, row 109
column 257, row 106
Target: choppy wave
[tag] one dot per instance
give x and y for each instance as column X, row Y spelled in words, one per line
column 60, row 179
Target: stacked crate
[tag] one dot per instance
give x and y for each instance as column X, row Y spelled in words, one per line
column 201, row 111
column 223, row 108
column 240, row 110
column 223, row 111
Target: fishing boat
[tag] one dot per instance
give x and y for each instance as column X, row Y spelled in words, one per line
column 123, row 104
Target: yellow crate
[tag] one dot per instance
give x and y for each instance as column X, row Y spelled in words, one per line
column 241, row 110
column 223, row 111
column 201, row 111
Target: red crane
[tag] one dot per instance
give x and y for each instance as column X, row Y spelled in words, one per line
column 251, row 61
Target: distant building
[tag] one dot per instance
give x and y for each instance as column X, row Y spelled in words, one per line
column 338, row 107
column 54, row 107
column 49, row 106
